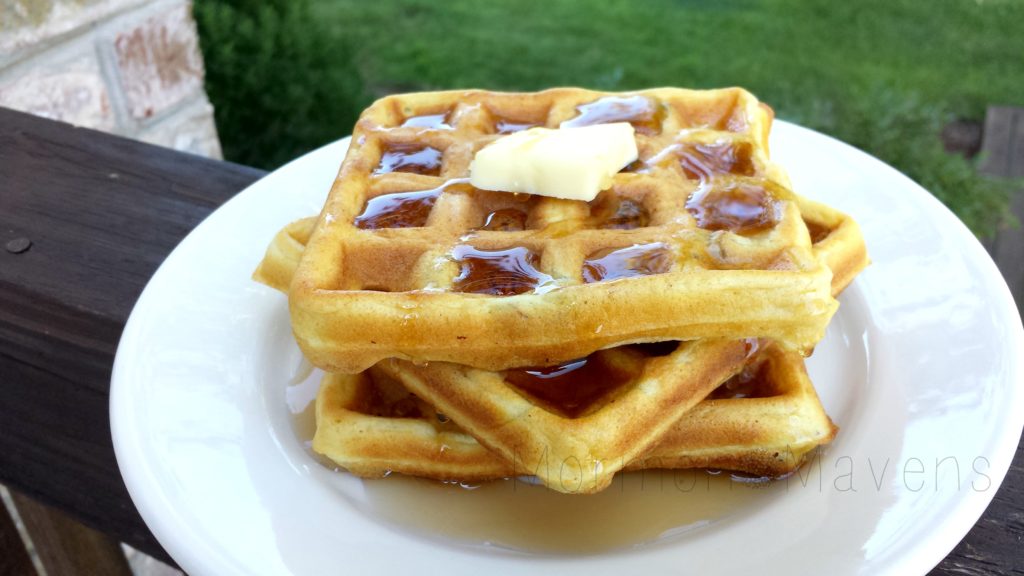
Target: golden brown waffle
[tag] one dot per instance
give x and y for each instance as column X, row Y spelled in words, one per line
column 535, row 433
column 574, row 425
column 407, row 260
column 763, row 422
column 837, row 242
column 371, row 425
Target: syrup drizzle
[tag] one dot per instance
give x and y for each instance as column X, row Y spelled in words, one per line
column 398, row 210
column 429, row 121
column 505, row 220
column 644, row 114
column 506, row 127
column 498, row 272
column 636, row 260
column 817, row 231
column 627, row 214
column 382, row 396
column 405, row 158
column 703, row 161
column 574, row 386
column 754, row 381
column 738, row 207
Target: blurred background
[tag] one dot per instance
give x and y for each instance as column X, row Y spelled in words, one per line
column 907, row 81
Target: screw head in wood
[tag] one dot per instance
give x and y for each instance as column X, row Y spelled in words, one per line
column 18, row 245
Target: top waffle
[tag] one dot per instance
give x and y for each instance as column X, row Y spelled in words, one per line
column 696, row 239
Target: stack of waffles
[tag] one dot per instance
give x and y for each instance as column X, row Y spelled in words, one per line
column 471, row 334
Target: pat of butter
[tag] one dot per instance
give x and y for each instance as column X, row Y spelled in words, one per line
column 572, row 163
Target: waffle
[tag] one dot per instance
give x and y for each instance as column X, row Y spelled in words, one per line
column 576, row 424
column 699, row 237
column 531, row 433
column 371, row 425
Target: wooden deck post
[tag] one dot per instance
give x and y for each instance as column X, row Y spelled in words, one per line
column 1003, row 156
column 64, row 546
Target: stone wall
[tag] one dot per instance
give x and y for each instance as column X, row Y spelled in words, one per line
column 131, row 67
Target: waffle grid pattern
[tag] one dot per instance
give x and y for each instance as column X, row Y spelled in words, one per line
column 384, row 260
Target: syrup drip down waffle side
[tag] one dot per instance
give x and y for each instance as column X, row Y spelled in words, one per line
column 407, row 260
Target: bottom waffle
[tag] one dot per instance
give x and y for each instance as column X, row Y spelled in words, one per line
column 762, row 422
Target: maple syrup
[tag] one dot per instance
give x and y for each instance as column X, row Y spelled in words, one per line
column 572, row 387
column 428, row 121
column 703, row 161
column 752, row 382
column 506, row 127
column 498, row 272
column 640, row 507
column 382, row 395
column 505, row 220
column 398, row 210
column 817, row 231
column 645, row 114
column 622, row 214
column 628, row 262
column 410, row 158
column 738, row 207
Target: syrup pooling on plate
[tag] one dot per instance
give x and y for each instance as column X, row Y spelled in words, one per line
column 646, row 506
column 702, row 161
column 642, row 112
column 414, row 159
column 505, row 220
column 398, row 210
column 741, row 207
column 628, row 262
column 573, row 386
column 498, row 272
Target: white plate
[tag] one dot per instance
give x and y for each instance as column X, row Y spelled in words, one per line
column 921, row 369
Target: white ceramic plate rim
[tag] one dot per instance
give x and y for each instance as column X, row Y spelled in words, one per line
column 201, row 553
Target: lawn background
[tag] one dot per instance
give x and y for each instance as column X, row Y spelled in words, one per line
column 286, row 76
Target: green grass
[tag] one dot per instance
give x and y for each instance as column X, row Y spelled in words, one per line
column 882, row 75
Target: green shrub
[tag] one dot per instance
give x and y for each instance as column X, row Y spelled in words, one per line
column 280, row 81
column 904, row 131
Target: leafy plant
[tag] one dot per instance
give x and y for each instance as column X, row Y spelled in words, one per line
column 280, row 81
column 904, row 131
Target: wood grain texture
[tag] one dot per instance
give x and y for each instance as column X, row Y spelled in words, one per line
column 67, row 547
column 996, row 543
column 14, row 558
column 1003, row 157
column 101, row 213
